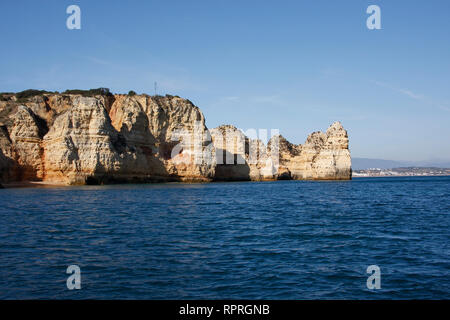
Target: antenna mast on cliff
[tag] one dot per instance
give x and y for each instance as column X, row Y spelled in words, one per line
column 156, row 87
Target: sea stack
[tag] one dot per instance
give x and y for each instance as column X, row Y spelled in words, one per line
column 83, row 138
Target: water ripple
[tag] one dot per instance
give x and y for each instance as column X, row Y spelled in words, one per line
column 271, row 240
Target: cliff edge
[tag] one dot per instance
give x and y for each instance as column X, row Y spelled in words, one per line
column 72, row 138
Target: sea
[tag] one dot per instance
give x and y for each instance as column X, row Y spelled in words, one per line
column 368, row 238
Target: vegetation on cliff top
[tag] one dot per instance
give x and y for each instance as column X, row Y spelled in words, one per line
column 90, row 92
column 24, row 96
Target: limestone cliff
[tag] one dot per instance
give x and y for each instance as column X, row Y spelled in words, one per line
column 324, row 156
column 76, row 139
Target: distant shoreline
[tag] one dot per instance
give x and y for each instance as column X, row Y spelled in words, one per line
column 401, row 176
column 403, row 172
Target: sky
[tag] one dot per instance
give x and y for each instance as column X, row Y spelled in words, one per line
column 296, row 66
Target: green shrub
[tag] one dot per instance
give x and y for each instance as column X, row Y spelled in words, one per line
column 131, row 93
column 2, row 98
column 90, row 92
column 23, row 95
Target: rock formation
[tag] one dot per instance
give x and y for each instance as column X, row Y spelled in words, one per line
column 324, row 156
column 76, row 139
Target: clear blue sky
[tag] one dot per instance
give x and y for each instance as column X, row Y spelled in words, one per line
column 292, row 65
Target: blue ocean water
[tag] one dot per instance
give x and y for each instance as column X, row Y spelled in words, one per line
column 248, row 240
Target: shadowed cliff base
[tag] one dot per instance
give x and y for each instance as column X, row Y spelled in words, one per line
column 93, row 137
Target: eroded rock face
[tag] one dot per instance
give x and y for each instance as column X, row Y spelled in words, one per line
column 242, row 158
column 8, row 166
column 183, row 140
column 70, row 139
column 168, row 134
column 82, row 144
column 324, row 156
column 133, row 142
column 334, row 161
column 231, row 156
column 26, row 137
